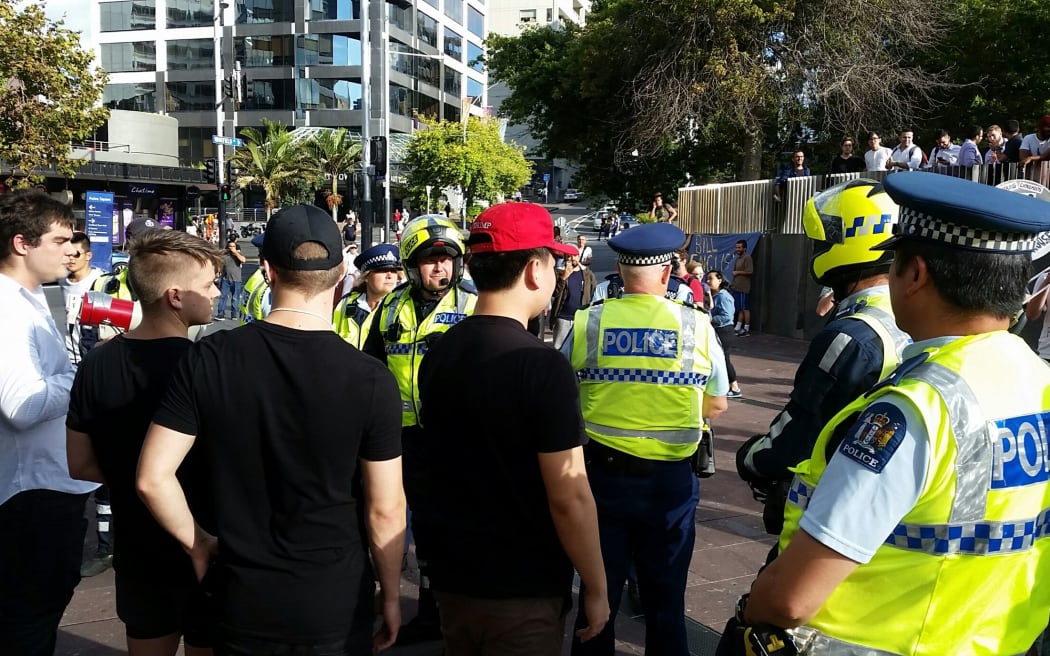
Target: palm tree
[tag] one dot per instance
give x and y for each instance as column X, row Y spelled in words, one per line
column 272, row 160
column 334, row 152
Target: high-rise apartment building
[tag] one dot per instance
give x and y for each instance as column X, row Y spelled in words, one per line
column 301, row 61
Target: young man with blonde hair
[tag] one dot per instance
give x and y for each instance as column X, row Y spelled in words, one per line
column 118, row 388
column 292, row 572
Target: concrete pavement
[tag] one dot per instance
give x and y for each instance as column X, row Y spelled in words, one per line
column 730, row 542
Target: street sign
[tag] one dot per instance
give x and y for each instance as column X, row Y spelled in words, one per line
column 227, row 141
column 546, row 176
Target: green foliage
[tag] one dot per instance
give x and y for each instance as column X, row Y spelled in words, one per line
column 48, row 93
column 482, row 164
column 271, row 160
column 334, row 152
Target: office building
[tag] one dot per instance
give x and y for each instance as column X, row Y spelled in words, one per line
column 301, row 61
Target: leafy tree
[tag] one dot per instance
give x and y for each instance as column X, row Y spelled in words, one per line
column 48, row 92
column 482, row 164
column 272, row 160
column 334, row 152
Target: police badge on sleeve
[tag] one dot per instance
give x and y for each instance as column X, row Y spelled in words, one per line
column 875, row 437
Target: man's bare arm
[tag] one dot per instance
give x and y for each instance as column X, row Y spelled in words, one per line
column 790, row 591
column 161, row 491
column 576, row 521
column 714, row 406
column 80, row 457
column 385, row 503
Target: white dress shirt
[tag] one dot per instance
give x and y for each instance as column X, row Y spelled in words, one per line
column 35, row 378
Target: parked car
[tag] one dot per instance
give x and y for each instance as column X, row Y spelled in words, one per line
column 572, row 195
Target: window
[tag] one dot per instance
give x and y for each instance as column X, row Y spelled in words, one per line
column 526, row 15
column 454, row 10
column 399, row 17
column 426, row 29
column 132, row 97
column 195, row 145
column 453, row 45
column 425, row 69
column 474, row 56
column 127, row 15
column 475, row 22
column 432, row 3
column 191, row 96
column 328, row 50
column 475, row 89
column 128, row 57
column 452, row 113
column 188, row 54
column 329, row 94
column 265, row 11
column 264, row 51
column 191, row 13
column 550, row 15
column 269, row 94
column 335, row 9
column 453, row 82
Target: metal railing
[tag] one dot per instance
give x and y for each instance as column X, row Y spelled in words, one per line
column 750, row 207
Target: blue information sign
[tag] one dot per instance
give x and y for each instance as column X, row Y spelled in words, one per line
column 99, row 219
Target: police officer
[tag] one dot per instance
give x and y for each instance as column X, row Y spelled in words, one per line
column 255, row 295
column 650, row 372
column 409, row 319
column 379, row 267
column 860, row 346
column 918, row 525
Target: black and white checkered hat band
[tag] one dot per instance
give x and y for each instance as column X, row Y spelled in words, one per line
column 644, row 260
column 923, row 226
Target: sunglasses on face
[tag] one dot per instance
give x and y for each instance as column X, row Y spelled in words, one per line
column 76, row 256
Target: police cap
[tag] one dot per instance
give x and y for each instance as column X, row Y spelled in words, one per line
column 964, row 214
column 381, row 256
column 648, row 244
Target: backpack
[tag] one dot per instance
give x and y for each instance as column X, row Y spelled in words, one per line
column 925, row 160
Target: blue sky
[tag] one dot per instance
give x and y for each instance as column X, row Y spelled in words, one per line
column 76, row 13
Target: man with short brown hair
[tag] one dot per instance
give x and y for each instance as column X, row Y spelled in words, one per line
column 41, row 507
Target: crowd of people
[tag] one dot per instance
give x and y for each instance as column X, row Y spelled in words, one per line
column 280, row 527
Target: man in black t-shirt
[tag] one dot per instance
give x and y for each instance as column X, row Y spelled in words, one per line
column 509, row 470
column 291, row 571
column 117, row 388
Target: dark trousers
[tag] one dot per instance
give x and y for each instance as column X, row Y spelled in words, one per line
column 415, row 452
column 104, row 522
column 647, row 519
column 727, row 336
column 360, row 642
column 39, row 567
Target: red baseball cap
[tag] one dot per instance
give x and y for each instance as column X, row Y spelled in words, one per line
column 515, row 227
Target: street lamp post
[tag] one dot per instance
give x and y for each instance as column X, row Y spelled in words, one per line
column 220, row 114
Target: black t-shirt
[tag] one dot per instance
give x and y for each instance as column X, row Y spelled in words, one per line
column 117, row 388
column 284, row 416
column 847, row 165
column 1012, row 148
column 493, row 397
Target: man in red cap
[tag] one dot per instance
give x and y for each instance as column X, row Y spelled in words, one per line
column 1036, row 146
column 513, row 473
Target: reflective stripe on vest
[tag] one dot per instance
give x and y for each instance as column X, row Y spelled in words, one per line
column 685, row 436
column 885, row 326
column 811, row 642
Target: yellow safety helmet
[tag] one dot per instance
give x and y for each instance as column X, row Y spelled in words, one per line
column 427, row 235
column 846, row 220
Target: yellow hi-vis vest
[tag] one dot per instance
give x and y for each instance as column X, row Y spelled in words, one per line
column 405, row 337
column 643, row 364
column 252, row 296
column 965, row 571
column 114, row 284
column 873, row 308
column 345, row 323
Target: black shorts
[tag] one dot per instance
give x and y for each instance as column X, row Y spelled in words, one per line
column 157, row 606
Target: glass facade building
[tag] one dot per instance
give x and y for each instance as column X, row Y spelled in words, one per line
column 301, row 61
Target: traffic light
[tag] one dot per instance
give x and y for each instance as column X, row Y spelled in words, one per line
column 232, row 172
column 224, row 190
column 377, row 155
column 227, row 87
column 209, row 171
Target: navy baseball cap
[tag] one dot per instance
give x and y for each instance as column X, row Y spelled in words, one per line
column 964, row 214
column 294, row 226
column 381, row 256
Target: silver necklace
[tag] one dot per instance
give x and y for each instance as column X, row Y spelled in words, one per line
column 307, row 312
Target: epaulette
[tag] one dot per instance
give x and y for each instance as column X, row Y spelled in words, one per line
column 900, row 373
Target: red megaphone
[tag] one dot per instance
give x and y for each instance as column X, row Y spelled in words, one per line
column 99, row 309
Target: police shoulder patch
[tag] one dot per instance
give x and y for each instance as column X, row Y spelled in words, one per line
column 875, row 436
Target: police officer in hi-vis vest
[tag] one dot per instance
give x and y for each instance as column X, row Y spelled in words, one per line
column 254, row 302
column 859, row 347
column 379, row 267
column 405, row 324
column 651, row 371
column 919, row 524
